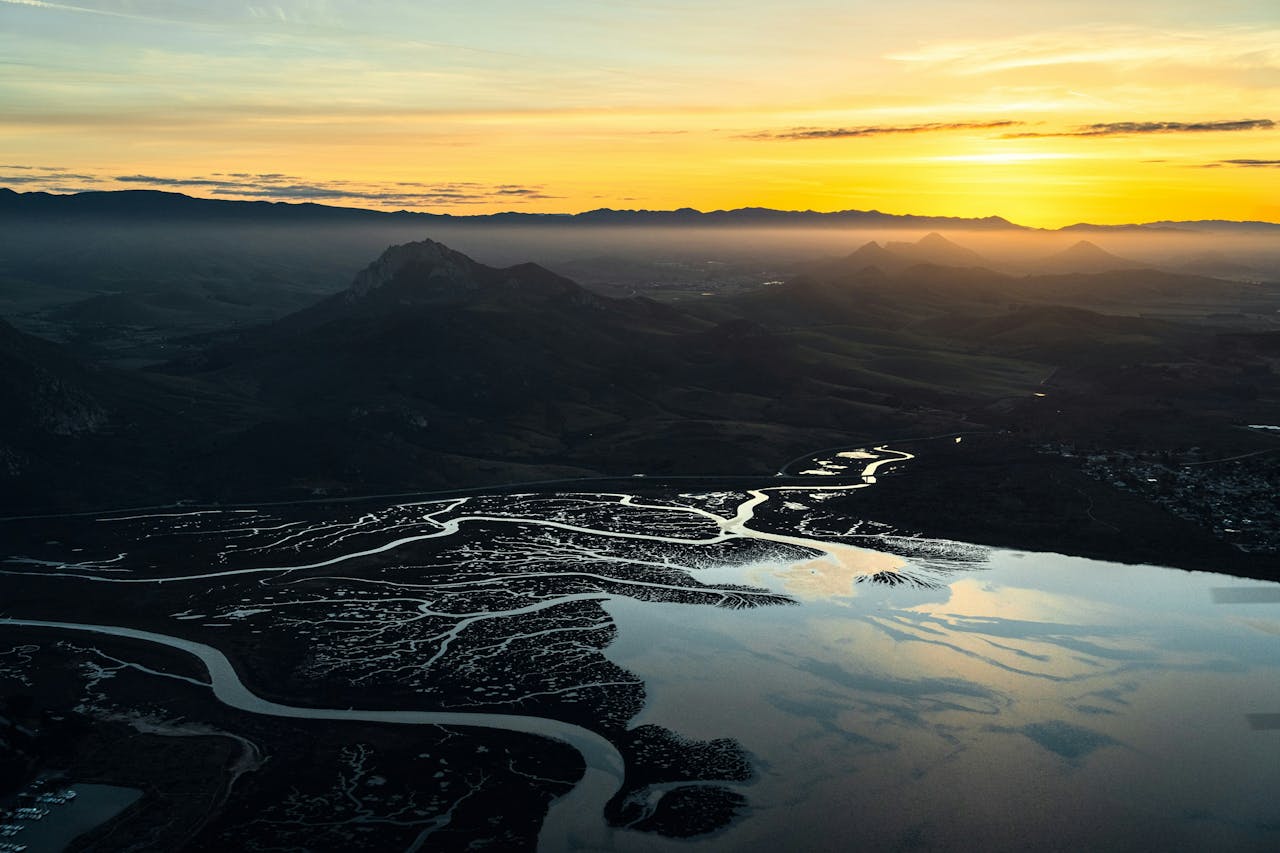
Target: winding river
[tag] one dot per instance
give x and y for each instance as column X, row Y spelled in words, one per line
column 990, row 700
column 575, row 821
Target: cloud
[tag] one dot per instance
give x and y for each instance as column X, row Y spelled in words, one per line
column 1110, row 47
column 6, row 180
column 61, row 170
column 444, row 194
column 276, row 185
column 1245, row 164
column 304, row 192
column 1130, row 128
column 43, row 177
column 67, row 7
column 878, row 130
column 175, row 182
column 284, row 187
column 268, row 177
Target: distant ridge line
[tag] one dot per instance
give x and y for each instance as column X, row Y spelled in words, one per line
column 147, row 204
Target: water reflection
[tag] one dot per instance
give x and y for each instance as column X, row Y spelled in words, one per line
column 833, row 575
column 1246, row 595
column 1021, row 701
column 923, row 693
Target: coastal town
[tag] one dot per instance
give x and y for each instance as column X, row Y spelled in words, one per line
column 1237, row 498
column 32, row 804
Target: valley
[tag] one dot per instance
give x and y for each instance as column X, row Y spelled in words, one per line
column 449, row 555
column 434, row 371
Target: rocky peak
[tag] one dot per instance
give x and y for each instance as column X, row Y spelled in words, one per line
column 430, row 273
column 431, row 262
column 870, row 252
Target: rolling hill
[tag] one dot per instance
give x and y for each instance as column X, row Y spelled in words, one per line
column 433, row 371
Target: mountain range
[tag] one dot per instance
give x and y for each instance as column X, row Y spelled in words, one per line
column 161, row 205
column 433, row 371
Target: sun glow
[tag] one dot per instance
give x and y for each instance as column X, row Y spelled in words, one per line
column 1006, row 157
column 1098, row 112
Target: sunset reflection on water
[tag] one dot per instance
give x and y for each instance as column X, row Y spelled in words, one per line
column 1029, row 700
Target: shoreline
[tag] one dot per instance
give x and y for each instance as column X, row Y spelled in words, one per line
column 1032, row 501
column 1027, row 500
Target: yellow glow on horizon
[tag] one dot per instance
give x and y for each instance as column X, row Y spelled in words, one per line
column 1005, row 157
column 711, row 105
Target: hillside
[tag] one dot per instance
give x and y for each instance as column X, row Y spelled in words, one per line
column 77, row 434
column 433, row 371
column 1084, row 257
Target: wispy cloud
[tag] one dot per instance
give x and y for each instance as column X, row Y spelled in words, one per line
column 276, row 185
column 1130, row 128
column 284, row 187
column 169, row 12
column 1111, row 47
column 153, row 181
column 45, row 177
column 1245, row 164
column 68, row 7
column 877, row 130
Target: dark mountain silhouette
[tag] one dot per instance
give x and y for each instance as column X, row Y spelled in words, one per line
column 869, row 256
column 428, row 273
column 454, row 373
column 47, row 392
column 1084, row 257
column 76, row 434
column 172, row 207
column 897, row 256
column 434, row 371
column 1055, row 334
column 1149, row 228
column 1228, row 225
column 935, row 249
column 895, row 285
column 936, row 274
column 157, row 205
column 748, row 216
column 1134, row 289
column 1179, row 226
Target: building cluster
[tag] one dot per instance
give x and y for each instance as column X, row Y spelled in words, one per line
column 32, row 804
column 1236, row 498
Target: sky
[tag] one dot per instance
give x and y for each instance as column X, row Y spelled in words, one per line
column 1046, row 113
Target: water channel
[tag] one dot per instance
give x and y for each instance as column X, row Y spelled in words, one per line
column 919, row 695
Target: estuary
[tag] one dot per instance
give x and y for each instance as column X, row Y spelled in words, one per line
column 694, row 668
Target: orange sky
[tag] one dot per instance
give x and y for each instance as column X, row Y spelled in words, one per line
column 1053, row 114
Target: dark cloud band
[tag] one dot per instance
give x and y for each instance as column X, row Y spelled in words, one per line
column 878, row 130
column 1130, row 128
column 1250, row 164
column 277, row 185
